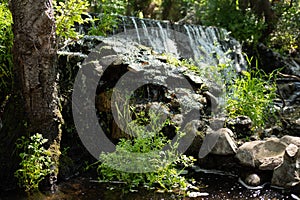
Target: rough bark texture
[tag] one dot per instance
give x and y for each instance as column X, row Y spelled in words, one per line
column 35, row 72
column 34, row 54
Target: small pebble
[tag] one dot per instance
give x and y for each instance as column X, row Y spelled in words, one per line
column 252, row 180
column 198, row 194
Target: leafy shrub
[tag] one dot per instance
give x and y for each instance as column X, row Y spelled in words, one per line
column 252, row 95
column 35, row 164
column 67, row 14
column 108, row 20
column 6, row 42
column 285, row 38
column 141, row 161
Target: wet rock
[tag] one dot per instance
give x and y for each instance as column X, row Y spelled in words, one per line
column 275, row 131
column 225, row 144
column 291, row 121
column 287, row 175
column 240, row 125
column 277, row 61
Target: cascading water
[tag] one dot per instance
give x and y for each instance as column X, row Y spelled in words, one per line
column 136, row 29
column 208, row 46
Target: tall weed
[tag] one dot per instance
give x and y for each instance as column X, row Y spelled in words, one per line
column 252, row 94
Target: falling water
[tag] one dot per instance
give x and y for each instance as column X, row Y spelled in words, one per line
column 208, row 46
column 190, row 38
column 164, row 36
column 146, row 33
column 136, row 29
column 124, row 24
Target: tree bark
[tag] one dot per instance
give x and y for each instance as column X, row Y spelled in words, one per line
column 34, row 56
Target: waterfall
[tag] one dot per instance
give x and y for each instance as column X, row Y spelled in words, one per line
column 207, row 46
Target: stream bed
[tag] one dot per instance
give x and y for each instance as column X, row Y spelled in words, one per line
column 214, row 186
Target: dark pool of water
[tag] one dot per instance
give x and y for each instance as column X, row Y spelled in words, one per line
column 218, row 187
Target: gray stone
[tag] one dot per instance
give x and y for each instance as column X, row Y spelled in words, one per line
column 194, row 130
column 225, row 144
column 217, row 123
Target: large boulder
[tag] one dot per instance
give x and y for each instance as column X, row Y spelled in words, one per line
column 265, row 155
column 291, row 140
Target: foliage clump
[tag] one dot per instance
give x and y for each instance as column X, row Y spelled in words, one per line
column 286, row 37
column 243, row 24
column 141, row 160
column 252, row 94
column 67, row 15
column 36, row 162
column 108, row 19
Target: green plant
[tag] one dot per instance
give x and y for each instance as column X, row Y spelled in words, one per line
column 36, row 162
column 6, row 42
column 252, row 95
column 108, row 20
column 67, row 14
column 285, row 38
column 141, row 160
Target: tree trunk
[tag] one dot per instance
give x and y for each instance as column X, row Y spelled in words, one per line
column 34, row 55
